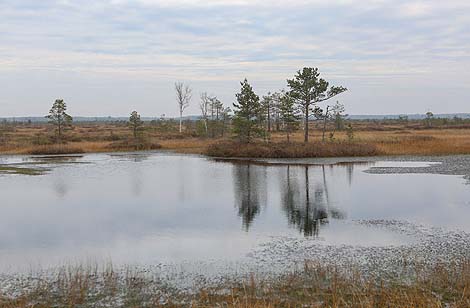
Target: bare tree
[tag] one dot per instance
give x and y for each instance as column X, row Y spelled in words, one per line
column 326, row 117
column 216, row 108
column 338, row 114
column 183, row 97
column 204, row 105
column 226, row 117
column 267, row 104
column 275, row 108
column 335, row 112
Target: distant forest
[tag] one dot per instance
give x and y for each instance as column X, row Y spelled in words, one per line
column 197, row 117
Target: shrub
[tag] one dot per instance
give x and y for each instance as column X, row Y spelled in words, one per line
column 290, row 150
column 57, row 149
column 133, row 145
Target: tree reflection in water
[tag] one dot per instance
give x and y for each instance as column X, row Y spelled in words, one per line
column 306, row 204
column 304, row 211
column 250, row 191
column 304, row 195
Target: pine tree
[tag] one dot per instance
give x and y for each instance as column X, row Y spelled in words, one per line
column 308, row 89
column 135, row 123
column 288, row 114
column 58, row 117
column 247, row 113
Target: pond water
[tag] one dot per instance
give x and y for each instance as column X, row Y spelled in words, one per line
column 159, row 207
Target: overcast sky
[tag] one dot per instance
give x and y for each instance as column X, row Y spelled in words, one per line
column 109, row 57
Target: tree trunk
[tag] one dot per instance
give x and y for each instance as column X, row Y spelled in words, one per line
column 325, row 120
column 223, row 125
column 181, row 122
column 269, row 119
column 306, row 123
column 59, row 130
column 332, row 135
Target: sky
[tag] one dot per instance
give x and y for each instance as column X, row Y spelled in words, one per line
column 109, row 57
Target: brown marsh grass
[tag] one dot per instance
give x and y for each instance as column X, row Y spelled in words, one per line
column 387, row 139
column 311, row 286
column 290, row 150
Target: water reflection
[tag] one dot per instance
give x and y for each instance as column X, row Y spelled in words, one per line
column 303, row 212
column 303, row 191
column 307, row 205
column 56, row 159
column 350, row 171
column 60, row 188
column 250, row 191
column 137, row 208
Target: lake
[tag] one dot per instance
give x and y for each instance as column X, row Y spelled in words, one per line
column 149, row 208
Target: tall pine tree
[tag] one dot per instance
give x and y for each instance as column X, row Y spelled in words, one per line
column 247, row 112
column 59, row 117
column 289, row 114
column 308, row 89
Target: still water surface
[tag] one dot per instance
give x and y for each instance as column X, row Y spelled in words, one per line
column 152, row 208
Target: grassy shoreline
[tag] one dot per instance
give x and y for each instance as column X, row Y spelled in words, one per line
column 311, row 285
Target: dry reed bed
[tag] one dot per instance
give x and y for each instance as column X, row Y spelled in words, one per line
column 311, row 286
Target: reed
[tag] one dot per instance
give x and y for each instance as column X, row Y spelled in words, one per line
column 313, row 285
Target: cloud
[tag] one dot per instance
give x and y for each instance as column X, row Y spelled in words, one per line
column 378, row 42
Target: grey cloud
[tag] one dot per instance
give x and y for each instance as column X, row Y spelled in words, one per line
column 148, row 44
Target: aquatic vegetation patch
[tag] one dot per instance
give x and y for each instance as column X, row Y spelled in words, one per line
column 9, row 169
